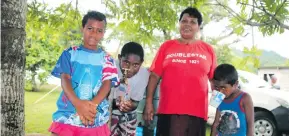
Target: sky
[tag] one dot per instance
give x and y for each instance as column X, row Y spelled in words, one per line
column 277, row 42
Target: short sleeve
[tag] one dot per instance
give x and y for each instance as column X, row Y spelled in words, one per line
column 109, row 71
column 157, row 64
column 140, row 86
column 213, row 64
column 63, row 65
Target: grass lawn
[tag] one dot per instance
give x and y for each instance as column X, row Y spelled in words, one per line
column 208, row 130
column 38, row 116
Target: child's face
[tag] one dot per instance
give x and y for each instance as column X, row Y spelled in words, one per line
column 93, row 32
column 225, row 88
column 132, row 62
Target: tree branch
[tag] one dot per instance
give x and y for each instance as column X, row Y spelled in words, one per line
column 273, row 16
column 166, row 34
column 228, row 9
column 253, row 10
column 76, row 9
column 249, row 21
column 280, row 7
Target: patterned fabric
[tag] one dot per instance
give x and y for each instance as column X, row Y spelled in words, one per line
column 88, row 69
column 123, row 125
column 233, row 119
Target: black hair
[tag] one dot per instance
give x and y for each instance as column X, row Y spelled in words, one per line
column 132, row 48
column 94, row 15
column 193, row 12
column 227, row 73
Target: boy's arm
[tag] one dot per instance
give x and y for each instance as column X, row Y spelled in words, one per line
column 128, row 106
column 249, row 112
column 134, row 104
column 216, row 123
column 82, row 107
column 102, row 93
column 138, row 90
column 109, row 79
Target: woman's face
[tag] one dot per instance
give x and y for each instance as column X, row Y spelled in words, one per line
column 188, row 26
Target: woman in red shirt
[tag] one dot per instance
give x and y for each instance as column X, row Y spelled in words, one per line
column 185, row 66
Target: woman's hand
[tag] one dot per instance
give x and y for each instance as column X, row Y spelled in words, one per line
column 148, row 113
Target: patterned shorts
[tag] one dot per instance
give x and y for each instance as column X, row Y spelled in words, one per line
column 123, row 125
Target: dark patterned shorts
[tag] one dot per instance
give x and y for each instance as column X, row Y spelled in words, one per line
column 123, row 125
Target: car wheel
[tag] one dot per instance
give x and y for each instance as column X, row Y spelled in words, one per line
column 264, row 124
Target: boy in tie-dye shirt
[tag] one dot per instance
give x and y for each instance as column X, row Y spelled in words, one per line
column 87, row 73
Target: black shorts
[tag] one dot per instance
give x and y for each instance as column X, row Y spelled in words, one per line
column 180, row 125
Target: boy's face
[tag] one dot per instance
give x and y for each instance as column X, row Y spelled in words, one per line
column 132, row 62
column 225, row 88
column 93, row 32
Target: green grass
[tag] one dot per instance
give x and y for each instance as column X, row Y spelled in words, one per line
column 208, row 132
column 38, row 117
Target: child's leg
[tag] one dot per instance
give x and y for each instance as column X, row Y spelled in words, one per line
column 114, row 128
column 129, row 126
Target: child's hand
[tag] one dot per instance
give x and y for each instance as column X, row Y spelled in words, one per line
column 86, row 121
column 86, row 110
column 126, row 106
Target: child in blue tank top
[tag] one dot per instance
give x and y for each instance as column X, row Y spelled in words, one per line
column 235, row 115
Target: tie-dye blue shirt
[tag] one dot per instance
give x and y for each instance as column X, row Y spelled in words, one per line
column 88, row 69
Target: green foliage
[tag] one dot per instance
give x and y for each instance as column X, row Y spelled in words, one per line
column 224, row 54
column 270, row 16
column 152, row 22
column 28, row 85
column 49, row 31
column 223, row 51
column 287, row 63
column 248, row 60
column 267, row 58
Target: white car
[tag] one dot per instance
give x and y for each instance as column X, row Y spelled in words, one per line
column 271, row 106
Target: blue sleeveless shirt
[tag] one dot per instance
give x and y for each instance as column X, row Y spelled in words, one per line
column 233, row 118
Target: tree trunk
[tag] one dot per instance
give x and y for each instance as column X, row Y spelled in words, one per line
column 33, row 80
column 13, row 20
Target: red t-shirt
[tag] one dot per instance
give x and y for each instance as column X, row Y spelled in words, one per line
column 185, row 70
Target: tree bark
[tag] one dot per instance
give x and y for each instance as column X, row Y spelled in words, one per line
column 33, row 80
column 13, row 21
